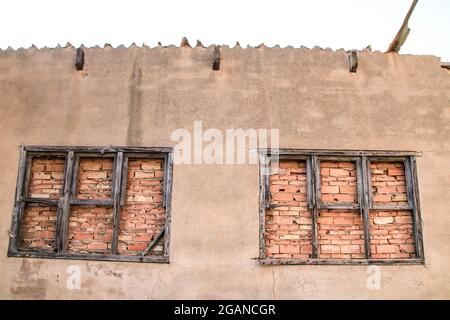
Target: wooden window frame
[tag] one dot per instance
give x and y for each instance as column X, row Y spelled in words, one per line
column 365, row 203
column 67, row 198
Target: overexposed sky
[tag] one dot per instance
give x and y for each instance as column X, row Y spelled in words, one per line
column 348, row 24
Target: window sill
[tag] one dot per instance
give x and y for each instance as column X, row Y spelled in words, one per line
column 354, row 262
column 94, row 257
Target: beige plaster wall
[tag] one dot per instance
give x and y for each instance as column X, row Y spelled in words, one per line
column 138, row 96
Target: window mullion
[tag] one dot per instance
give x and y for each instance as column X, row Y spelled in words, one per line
column 116, row 188
column 167, row 199
column 264, row 170
column 18, row 204
column 123, row 182
column 314, row 164
column 73, row 183
column 364, row 192
column 413, row 201
column 62, row 222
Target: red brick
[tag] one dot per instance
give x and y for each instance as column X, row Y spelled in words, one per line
column 137, row 246
column 289, row 249
column 382, row 198
column 83, row 236
column 283, row 196
column 330, row 248
column 97, row 246
column 409, row 248
column 338, row 172
column 330, row 189
column 396, row 172
column 386, row 248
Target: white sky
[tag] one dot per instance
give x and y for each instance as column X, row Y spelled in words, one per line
column 348, row 24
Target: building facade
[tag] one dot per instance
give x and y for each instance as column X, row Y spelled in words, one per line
column 94, row 203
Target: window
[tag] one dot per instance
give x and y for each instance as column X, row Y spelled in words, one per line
column 339, row 207
column 106, row 203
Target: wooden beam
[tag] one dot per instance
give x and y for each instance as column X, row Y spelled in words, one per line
column 168, row 176
column 46, row 201
column 348, row 158
column 403, row 33
column 27, row 175
column 154, row 242
column 92, row 202
column 345, row 153
column 14, row 232
column 363, row 197
column 74, row 180
column 315, row 165
column 309, row 184
column 140, row 155
column 352, row 61
column 348, row 262
column 97, row 149
column 116, row 188
column 292, row 157
column 263, row 171
column 62, row 222
column 79, row 59
column 417, row 220
column 382, row 206
column 124, row 181
column 94, row 257
column 216, row 58
column 339, row 206
column 369, row 183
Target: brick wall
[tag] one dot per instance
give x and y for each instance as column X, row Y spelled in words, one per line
column 90, row 229
column 391, row 232
column 288, row 226
column 38, row 227
column 94, row 178
column 338, row 182
column 46, row 178
column 388, row 182
column 90, row 226
column 340, row 232
column 143, row 215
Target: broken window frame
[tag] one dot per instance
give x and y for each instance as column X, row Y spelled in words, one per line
column 364, row 196
column 67, row 198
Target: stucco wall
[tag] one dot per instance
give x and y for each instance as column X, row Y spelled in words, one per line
column 139, row 96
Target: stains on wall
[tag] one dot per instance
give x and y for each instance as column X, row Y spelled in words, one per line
column 134, row 131
column 28, row 283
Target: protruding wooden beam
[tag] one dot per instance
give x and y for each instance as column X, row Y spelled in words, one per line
column 352, row 61
column 403, row 33
column 79, row 59
column 216, row 58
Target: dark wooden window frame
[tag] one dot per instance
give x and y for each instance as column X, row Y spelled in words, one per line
column 365, row 203
column 119, row 181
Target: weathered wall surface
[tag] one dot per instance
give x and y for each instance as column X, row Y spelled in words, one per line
column 139, row 96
